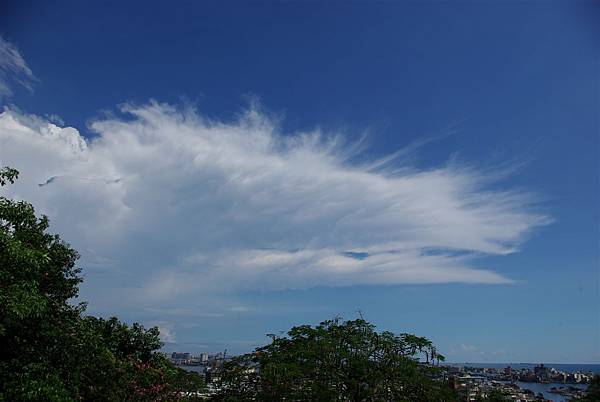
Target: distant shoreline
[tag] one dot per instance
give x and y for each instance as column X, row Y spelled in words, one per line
column 525, row 363
column 568, row 367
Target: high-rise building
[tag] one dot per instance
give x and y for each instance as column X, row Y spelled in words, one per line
column 542, row 372
column 180, row 356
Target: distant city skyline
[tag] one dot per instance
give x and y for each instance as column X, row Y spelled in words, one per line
column 228, row 172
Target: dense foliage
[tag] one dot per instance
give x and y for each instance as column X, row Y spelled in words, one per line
column 336, row 361
column 593, row 390
column 50, row 350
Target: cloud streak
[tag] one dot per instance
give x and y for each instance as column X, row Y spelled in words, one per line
column 210, row 207
column 13, row 69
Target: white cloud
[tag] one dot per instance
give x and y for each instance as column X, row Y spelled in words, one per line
column 164, row 203
column 167, row 334
column 13, row 69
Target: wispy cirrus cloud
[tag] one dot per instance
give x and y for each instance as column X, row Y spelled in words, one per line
column 180, row 205
column 13, row 69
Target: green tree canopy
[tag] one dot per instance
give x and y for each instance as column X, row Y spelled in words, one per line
column 50, row 350
column 336, row 361
column 593, row 390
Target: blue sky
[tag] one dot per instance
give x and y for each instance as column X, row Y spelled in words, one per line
column 222, row 158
